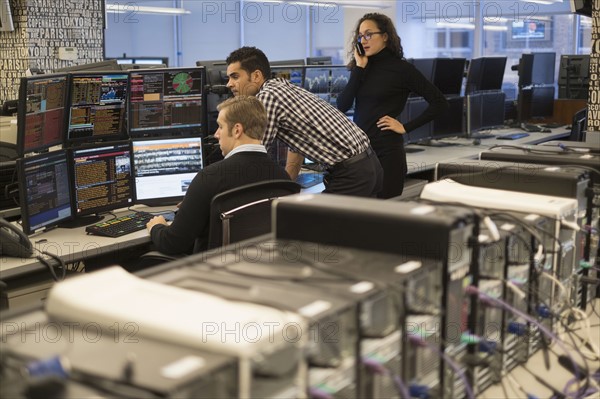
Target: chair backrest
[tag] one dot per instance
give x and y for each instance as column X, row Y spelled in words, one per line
column 245, row 212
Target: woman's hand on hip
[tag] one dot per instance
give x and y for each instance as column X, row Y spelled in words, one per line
column 389, row 123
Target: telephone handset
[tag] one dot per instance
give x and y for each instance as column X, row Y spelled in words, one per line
column 13, row 242
column 360, row 49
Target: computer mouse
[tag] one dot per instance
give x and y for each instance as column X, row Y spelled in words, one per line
column 476, row 141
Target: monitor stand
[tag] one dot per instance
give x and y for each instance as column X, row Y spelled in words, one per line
column 81, row 221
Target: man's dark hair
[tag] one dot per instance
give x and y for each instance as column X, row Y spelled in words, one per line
column 251, row 59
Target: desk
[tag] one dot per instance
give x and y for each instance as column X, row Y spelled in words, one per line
column 463, row 149
column 421, row 164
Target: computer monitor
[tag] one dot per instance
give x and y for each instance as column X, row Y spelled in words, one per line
column 164, row 168
column 448, row 75
column 216, row 75
column 326, row 60
column 293, row 74
column 536, row 69
column 340, row 75
column 582, row 7
column 536, row 102
column 46, row 199
column 425, row 66
column 107, row 65
column 41, row 112
column 573, row 76
column 167, row 102
column 579, row 126
column 299, row 61
column 97, row 107
column 317, row 81
column 101, row 178
column 216, row 71
column 414, row 107
column 450, row 123
column 486, row 73
column 484, row 110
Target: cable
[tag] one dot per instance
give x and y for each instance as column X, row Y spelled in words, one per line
column 59, row 262
column 415, row 339
column 380, row 368
column 481, row 295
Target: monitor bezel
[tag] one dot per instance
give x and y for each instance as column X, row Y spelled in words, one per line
column 123, row 135
column 170, row 131
column 21, row 164
column 72, row 187
column 21, row 115
column 163, row 201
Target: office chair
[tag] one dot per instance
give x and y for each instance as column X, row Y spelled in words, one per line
column 235, row 215
column 245, row 212
column 579, row 127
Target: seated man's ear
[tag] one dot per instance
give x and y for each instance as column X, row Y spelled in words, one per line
column 238, row 130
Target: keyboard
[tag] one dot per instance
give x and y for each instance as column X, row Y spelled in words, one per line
column 512, row 136
column 307, row 180
column 534, row 128
column 121, row 225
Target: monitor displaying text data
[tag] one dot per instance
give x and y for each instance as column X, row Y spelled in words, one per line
column 45, row 195
column 102, row 179
column 41, row 112
column 167, row 102
column 164, row 168
column 97, row 107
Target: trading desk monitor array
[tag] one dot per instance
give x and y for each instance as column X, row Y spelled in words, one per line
column 101, row 179
column 41, row 112
column 97, row 107
column 166, row 102
column 45, row 195
column 164, row 168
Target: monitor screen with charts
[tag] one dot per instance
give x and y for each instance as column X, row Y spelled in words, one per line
column 97, row 107
column 167, row 102
column 102, row 178
column 45, row 195
column 164, row 168
column 41, row 112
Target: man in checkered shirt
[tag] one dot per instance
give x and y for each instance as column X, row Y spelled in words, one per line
column 309, row 126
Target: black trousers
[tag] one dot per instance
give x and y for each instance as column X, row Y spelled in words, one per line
column 389, row 148
column 361, row 176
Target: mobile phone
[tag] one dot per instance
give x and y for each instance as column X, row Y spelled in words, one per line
column 360, row 49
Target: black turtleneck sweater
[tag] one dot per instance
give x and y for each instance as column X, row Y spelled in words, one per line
column 382, row 89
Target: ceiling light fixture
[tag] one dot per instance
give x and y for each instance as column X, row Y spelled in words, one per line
column 133, row 8
column 342, row 3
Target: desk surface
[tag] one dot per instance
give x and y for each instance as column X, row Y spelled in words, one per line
column 462, row 148
column 74, row 245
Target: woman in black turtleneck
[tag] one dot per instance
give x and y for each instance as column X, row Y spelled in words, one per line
column 380, row 82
